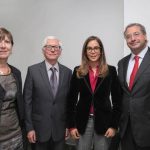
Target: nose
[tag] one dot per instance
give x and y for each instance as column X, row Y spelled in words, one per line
column 2, row 44
column 132, row 37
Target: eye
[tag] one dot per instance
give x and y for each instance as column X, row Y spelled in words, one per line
column 7, row 41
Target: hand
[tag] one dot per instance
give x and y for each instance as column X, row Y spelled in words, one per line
column 75, row 134
column 110, row 132
column 31, row 136
column 66, row 134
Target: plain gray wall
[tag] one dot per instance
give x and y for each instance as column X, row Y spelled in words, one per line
column 72, row 21
column 136, row 11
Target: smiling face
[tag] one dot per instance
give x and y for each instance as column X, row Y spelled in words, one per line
column 5, row 48
column 52, row 50
column 93, row 51
column 136, row 39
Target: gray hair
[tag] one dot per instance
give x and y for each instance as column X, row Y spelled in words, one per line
column 142, row 28
column 51, row 38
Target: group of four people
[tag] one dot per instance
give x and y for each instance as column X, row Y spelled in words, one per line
column 91, row 104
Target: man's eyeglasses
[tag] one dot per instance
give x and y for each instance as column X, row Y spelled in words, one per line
column 132, row 35
column 95, row 49
column 50, row 48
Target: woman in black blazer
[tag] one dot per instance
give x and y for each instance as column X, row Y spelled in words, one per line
column 11, row 101
column 94, row 99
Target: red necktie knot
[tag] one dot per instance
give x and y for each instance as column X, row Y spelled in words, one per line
column 136, row 58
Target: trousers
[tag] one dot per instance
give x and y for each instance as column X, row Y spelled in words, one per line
column 91, row 140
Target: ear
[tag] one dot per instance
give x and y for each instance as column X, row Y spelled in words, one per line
column 59, row 53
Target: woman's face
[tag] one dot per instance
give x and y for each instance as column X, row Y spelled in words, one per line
column 5, row 48
column 93, row 51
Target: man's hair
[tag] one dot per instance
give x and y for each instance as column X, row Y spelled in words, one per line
column 51, row 38
column 142, row 28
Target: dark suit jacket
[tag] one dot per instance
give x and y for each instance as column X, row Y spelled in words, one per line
column 136, row 103
column 44, row 113
column 81, row 97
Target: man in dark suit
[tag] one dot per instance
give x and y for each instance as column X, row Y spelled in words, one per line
column 134, row 76
column 45, row 94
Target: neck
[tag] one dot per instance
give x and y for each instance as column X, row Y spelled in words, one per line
column 4, row 69
column 52, row 62
column 93, row 65
column 3, row 64
column 137, row 51
column 3, row 61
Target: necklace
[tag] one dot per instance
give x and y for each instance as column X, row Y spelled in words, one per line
column 8, row 71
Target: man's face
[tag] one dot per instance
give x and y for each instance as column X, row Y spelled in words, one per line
column 52, row 50
column 135, row 39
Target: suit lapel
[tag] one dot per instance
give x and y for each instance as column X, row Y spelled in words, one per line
column 144, row 65
column 98, row 83
column 45, row 77
column 87, row 82
column 125, row 67
column 61, row 77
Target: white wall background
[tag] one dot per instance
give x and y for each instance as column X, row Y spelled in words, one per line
column 137, row 11
column 70, row 20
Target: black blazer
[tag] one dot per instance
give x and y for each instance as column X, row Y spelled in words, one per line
column 19, row 97
column 81, row 97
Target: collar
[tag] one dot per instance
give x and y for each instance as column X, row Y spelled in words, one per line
column 141, row 54
column 48, row 66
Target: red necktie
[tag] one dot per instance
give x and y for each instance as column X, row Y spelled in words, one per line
column 134, row 71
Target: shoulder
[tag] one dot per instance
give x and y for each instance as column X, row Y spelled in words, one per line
column 75, row 69
column 111, row 68
column 14, row 69
column 35, row 66
column 65, row 67
column 124, row 59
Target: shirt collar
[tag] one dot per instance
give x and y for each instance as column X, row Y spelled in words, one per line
column 91, row 71
column 48, row 66
column 141, row 54
column 90, row 68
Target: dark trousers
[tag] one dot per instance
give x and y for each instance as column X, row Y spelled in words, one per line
column 128, row 142
column 49, row 145
column 115, row 142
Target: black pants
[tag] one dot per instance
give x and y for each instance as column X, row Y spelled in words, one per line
column 115, row 142
column 49, row 145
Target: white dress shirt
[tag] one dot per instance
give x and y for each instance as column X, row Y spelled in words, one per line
column 132, row 61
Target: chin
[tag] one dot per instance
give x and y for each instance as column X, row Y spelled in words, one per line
column 4, row 56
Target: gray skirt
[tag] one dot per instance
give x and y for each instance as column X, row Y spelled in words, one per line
column 15, row 143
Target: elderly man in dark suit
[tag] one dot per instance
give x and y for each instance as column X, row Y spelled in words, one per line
column 45, row 94
column 134, row 76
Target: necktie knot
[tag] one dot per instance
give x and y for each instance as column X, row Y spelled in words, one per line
column 53, row 69
column 136, row 58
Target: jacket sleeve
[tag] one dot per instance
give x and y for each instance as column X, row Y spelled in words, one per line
column 116, row 96
column 72, row 100
column 27, row 94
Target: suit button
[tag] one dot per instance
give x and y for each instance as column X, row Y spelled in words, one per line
column 53, row 103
